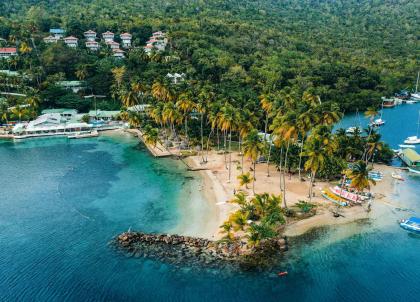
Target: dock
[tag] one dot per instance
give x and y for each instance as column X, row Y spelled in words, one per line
column 157, row 151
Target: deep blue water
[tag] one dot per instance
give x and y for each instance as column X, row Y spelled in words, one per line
column 62, row 201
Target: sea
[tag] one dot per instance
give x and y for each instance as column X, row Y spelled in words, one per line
column 63, row 201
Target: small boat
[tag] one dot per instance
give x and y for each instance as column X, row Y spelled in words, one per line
column 407, row 146
column 335, row 199
column 84, row 135
column 414, row 140
column 411, row 101
column 412, row 224
column 378, row 122
column 351, row 130
column 347, row 195
column 397, row 176
column 388, row 103
column 282, row 274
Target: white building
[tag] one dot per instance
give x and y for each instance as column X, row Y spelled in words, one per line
column 50, row 39
column 71, row 41
column 50, row 124
column 92, row 45
column 108, row 36
column 126, row 40
column 118, row 53
column 7, row 52
column 90, row 35
column 113, row 45
column 176, row 77
column 58, row 33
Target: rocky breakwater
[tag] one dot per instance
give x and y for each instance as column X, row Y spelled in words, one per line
column 185, row 250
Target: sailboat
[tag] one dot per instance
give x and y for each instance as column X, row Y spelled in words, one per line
column 414, row 140
column 378, row 122
column 416, row 95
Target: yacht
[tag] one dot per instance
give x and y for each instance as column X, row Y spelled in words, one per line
column 414, row 140
column 378, row 122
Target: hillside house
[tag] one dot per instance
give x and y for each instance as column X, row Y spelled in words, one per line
column 74, row 86
column 50, row 39
column 108, row 36
column 71, row 41
column 118, row 53
column 90, row 35
column 58, row 33
column 126, row 40
column 92, row 45
column 113, row 45
column 7, row 52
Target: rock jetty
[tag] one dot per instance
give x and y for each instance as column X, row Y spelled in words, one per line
column 184, row 250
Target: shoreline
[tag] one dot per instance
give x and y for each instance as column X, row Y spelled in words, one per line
column 216, row 190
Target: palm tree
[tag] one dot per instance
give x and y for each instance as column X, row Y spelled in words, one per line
column 245, row 179
column 129, row 98
column 359, row 175
column 228, row 118
column 161, row 92
column 185, row 105
column 227, row 229
column 81, row 72
column 245, row 125
column 253, row 147
column 151, row 136
column 118, row 73
column 33, row 101
column 316, row 154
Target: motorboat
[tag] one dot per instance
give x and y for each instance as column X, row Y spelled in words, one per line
column 93, row 133
column 407, row 146
column 412, row 140
column 351, row 130
column 397, row 176
column 412, row 224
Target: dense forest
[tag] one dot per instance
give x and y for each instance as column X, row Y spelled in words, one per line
column 348, row 52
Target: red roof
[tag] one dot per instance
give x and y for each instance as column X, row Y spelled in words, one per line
column 126, row 35
column 91, row 43
column 107, row 33
column 8, row 50
column 118, row 50
column 71, row 38
column 90, row 32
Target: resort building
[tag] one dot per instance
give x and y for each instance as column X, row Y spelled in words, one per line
column 58, row 33
column 108, row 36
column 126, row 40
column 92, row 45
column 118, row 53
column 51, row 39
column 113, row 45
column 176, row 77
column 71, row 41
column 50, row 124
column 411, row 158
column 7, row 52
column 65, row 114
column 148, row 48
column 103, row 115
column 158, row 34
column 158, row 41
column 90, row 35
column 74, row 86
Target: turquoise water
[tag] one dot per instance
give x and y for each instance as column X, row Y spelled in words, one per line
column 62, row 201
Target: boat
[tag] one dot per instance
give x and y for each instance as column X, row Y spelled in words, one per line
column 412, row 224
column 93, row 133
column 397, row 176
column 340, row 192
column 282, row 274
column 411, row 101
column 414, row 170
column 407, row 146
column 378, row 122
column 351, row 130
column 415, row 97
column 332, row 197
column 414, row 140
column 388, row 103
column 376, row 176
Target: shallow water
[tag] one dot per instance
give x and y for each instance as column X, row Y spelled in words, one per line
column 62, row 201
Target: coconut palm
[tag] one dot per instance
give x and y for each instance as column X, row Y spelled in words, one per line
column 316, row 155
column 161, row 92
column 185, row 105
column 359, row 175
column 81, row 72
column 151, row 135
column 227, row 228
column 118, row 74
column 245, row 179
column 253, row 147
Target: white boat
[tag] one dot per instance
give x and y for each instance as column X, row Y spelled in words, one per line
column 412, row 224
column 407, row 146
column 414, row 140
column 411, row 101
column 415, row 97
column 93, row 133
column 397, row 176
column 351, row 130
column 378, row 122
column 347, row 195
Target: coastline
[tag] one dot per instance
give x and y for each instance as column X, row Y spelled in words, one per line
column 207, row 207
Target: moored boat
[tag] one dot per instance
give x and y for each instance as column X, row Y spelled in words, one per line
column 412, row 224
column 378, row 122
column 397, row 176
column 347, row 195
column 407, row 146
column 93, row 133
column 414, row 140
column 332, row 197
